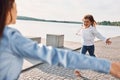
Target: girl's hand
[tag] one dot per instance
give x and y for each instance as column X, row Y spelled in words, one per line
column 78, row 34
column 108, row 41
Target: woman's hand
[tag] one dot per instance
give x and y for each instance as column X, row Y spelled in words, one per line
column 115, row 69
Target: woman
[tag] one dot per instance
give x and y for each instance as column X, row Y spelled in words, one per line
column 14, row 47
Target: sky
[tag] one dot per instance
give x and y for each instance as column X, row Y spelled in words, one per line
column 70, row 10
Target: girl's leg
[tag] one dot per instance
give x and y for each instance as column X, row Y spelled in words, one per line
column 91, row 50
column 83, row 50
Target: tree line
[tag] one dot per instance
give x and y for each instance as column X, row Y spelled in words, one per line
column 117, row 23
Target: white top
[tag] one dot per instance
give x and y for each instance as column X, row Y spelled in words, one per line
column 88, row 35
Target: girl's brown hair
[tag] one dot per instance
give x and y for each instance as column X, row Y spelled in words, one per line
column 5, row 7
column 91, row 18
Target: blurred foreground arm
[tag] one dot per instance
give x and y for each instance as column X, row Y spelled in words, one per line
column 27, row 48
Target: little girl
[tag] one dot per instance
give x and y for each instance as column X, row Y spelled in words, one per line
column 88, row 32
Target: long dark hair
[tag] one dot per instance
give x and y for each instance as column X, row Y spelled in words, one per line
column 5, row 7
column 91, row 18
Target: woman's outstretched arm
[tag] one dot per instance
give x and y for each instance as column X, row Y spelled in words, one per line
column 66, row 58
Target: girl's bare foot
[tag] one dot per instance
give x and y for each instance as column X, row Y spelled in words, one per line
column 77, row 73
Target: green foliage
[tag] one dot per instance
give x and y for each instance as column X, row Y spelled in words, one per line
column 44, row 20
column 117, row 23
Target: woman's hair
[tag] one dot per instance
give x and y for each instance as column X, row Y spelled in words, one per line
column 91, row 18
column 5, row 7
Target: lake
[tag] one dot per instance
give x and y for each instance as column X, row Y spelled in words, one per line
column 40, row 29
